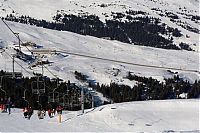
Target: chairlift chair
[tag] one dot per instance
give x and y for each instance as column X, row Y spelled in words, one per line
column 56, row 97
column 38, row 87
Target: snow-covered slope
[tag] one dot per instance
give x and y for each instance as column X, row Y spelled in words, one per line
column 46, row 9
column 42, row 9
column 101, row 71
column 146, row 116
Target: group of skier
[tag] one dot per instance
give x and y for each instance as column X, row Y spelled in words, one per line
column 6, row 104
column 41, row 113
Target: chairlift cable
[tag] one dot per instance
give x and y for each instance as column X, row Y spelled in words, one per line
column 25, row 46
column 111, row 60
column 18, row 63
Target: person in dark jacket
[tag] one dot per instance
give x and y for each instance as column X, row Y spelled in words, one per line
column 9, row 104
column 49, row 110
column 59, row 109
column 53, row 112
column 49, row 113
column 30, row 112
column 25, row 110
column 9, row 108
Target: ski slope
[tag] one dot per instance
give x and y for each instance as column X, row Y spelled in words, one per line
column 147, row 116
column 64, row 65
column 100, row 71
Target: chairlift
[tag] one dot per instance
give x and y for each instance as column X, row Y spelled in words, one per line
column 53, row 97
column 56, row 79
column 66, row 102
column 38, row 87
column 1, row 87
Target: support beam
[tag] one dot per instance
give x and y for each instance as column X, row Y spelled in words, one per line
column 82, row 100
column 92, row 101
column 17, row 35
column 13, row 62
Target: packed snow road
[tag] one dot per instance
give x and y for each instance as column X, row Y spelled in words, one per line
column 145, row 116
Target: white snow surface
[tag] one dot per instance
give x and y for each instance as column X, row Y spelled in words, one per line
column 97, row 70
column 43, row 9
column 146, row 116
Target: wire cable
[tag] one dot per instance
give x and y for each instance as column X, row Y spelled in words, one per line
column 25, row 46
column 111, row 60
column 18, row 63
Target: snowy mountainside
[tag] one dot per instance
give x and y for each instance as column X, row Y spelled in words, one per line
column 63, row 65
column 186, row 12
column 177, row 116
column 100, row 71
column 111, row 62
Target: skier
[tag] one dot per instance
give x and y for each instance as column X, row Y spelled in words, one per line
column 1, row 103
column 9, row 108
column 49, row 113
column 53, row 112
column 40, row 114
column 30, row 112
column 9, row 104
column 25, row 110
column 44, row 112
column 4, row 106
column 59, row 109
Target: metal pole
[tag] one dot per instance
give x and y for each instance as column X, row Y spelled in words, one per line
column 92, row 101
column 1, row 86
column 4, row 92
column 27, row 102
column 54, row 90
column 57, row 84
column 25, row 97
column 82, row 100
column 38, row 84
column 25, row 94
column 38, row 91
column 42, row 70
column 19, row 42
column 13, row 66
column 63, row 100
column 17, row 35
column 1, row 82
column 39, row 99
column 53, row 96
